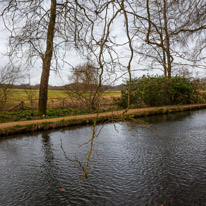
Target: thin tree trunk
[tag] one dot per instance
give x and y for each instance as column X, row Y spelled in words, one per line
column 43, row 91
column 167, row 39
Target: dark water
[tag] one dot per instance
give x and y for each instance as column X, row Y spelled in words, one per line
column 164, row 164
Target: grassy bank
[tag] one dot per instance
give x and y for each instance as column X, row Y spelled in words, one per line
column 23, row 115
column 45, row 124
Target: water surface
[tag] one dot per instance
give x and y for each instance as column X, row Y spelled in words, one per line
column 164, row 163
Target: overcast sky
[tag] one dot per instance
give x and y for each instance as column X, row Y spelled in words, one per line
column 61, row 77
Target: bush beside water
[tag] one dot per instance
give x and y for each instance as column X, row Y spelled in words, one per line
column 159, row 91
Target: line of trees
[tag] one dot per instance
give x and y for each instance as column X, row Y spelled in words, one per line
column 162, row 32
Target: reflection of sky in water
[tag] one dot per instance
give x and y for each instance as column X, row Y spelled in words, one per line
column 163, row 164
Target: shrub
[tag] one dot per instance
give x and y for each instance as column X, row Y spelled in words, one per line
column 123, row 100
column 157, row 91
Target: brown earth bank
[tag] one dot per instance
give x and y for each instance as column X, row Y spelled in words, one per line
column 44, row 124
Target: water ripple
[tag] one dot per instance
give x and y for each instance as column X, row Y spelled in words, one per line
column 134, row 166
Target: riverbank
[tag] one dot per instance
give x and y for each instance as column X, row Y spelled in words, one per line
column 45, row 124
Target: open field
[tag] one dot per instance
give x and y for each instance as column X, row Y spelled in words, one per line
column 17, row 95
column 56, row 98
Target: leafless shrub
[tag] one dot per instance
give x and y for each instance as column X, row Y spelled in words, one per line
column 8, row 75
column 30, row 93
column 81, row 91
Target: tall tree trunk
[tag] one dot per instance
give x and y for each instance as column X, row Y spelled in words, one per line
column 167, row 41
column 43, row 91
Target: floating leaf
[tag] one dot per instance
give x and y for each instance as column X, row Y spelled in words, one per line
column 62, row 190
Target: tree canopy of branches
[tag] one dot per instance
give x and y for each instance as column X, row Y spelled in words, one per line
column 167, row 29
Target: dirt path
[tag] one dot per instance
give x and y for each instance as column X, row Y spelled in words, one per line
column 136, row 112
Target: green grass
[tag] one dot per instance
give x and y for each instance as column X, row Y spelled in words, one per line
column 15, row 116
column 22, row 115
column 26, row 115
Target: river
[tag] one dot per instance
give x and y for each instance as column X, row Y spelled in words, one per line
column 162, row 162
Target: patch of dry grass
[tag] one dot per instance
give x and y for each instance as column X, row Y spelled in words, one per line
column 55, row 97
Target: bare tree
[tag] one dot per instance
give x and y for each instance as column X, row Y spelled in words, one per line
column 42, row 30
column 81, row 90
column 30, row 93
column 33, row 35
column 165, row 29
column 8, row 75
